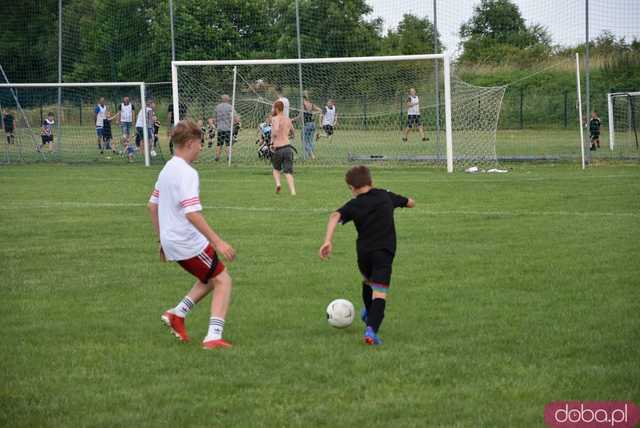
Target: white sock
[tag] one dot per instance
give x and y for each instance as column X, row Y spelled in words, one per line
column 184, row 307
column 216, row 326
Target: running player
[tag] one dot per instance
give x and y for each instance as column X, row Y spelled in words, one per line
column 282, row 157
column 185, row 237
column 371, row 210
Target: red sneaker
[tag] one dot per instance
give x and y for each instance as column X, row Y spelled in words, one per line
column 176, row 325
column 220, row 343
column 278, row 188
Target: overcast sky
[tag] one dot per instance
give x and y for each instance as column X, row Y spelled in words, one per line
column 563, row 18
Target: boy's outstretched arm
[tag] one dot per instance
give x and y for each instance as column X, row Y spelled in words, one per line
column 197, row 219
column 327, row 247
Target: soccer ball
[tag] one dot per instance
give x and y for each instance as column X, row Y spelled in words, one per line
column 153, row 153
column 340, row 313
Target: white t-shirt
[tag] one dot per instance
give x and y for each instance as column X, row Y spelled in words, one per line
column 101, row 114
column 329, row 116
column 414, row 110
column 139, row 123
column 126, row 112
column 177, row 193
column 285, row 101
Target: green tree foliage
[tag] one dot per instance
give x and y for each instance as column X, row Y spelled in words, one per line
column 497, row 33
column 28, row 46
column 413, row 36
column 332, row 28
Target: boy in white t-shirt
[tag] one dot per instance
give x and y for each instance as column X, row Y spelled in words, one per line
column 285, row 100
column 185, row 237
column 413, row 116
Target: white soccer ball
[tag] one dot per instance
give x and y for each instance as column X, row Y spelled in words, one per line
column 153, row 153
column 340, row 313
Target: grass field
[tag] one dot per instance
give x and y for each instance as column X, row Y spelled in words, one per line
column 509, row 292
column 79, row 144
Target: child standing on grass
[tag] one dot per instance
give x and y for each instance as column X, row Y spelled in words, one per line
column 46, row 133
column 371, row 210
column 211, row 132
column 185, row 237
column 594, row 131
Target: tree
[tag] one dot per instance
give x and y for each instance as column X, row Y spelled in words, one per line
column 497, row 33
column 414, row 36
column 29, row 42
column 329, row 28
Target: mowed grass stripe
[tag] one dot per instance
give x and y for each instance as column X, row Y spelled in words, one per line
column 506, row 294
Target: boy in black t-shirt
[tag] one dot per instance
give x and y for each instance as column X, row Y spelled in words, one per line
column 371, row 210
column 594, row 131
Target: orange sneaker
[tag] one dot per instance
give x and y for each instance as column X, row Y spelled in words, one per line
column 220, row 343
column 176, row 325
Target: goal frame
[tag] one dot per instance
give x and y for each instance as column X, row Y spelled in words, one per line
column 612, row 128
column 141, row 85
column 300, row 61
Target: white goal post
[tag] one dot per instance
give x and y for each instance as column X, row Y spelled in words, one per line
column 12, row 87
column 623, row 118
column 175, row 65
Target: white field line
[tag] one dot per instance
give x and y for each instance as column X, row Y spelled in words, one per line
column 420, row 211
column 469, row 179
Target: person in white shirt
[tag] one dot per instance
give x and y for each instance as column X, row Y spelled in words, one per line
column 151, row 118
column 186, row 237
column 413, row 116
column 329, row 119
column 100, row 113
column 127, row 111
column 285, row 100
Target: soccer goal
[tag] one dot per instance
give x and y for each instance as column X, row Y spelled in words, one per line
column 67, row 122
column 624, row 121
column 358, row 109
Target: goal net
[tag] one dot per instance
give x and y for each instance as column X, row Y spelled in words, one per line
column 75, row 122
column 624, row 123
column 344, row 109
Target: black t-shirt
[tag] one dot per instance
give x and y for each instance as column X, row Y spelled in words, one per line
column 372, row 213
column 594, row 125
column 8, row 121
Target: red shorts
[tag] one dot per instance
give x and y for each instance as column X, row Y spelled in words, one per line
column 204, row 266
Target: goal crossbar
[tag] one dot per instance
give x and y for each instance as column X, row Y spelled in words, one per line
column 301, row 61
column 295, row 61
column 141, row 85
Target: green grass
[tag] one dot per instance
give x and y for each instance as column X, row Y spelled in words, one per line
column 508, row 292
column 79, row 144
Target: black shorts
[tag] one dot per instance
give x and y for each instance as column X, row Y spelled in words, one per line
column 8, row 130
column 282, row 159
column 224, row 138
column 46, row 139
column 595, row 136
column 413, row 120
column 375, row 267
column 328, row 129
